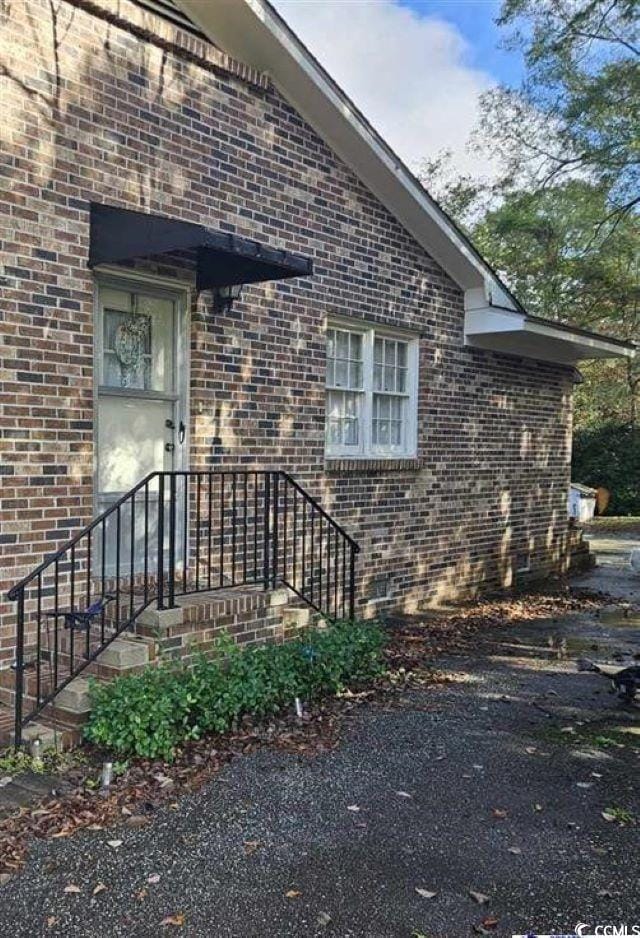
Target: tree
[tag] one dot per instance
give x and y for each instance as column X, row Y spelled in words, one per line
column 578, row 110
column 560, row 223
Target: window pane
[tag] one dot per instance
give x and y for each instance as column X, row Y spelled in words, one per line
column 350, row 405
column 389, row 352
column 342, row 345
column 343, row 425
column 401, row 379
column 356, row 347
column 351, row 433
column 342, row 374
column 127, row 348
column 377, row 378
column 402, row 354
column 355, row 375
column 331, row 377
column 389, row 378
column 378, row 355
column 333, row 432
column 388, row 421
column 331, row 343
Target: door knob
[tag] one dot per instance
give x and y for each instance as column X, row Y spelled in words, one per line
column 169, row 447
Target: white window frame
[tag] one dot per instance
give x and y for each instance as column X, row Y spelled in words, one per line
column 365, row 449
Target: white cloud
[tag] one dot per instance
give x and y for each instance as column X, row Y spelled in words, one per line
column 406, row 72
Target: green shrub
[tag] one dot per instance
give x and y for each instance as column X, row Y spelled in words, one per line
column 150, row 713
column 610, row 456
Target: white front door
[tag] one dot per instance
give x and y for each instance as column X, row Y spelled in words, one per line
column 141, row 419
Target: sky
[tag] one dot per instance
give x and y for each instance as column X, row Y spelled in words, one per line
column 416, row 68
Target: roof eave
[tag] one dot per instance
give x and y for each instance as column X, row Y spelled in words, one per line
column 511, row 333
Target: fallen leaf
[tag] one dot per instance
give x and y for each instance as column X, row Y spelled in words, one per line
column 403, row 794
column 114, row 843
column 163, row 780
column 177, row 920
column 584, row 784
column 478, row 897
column 353, row 807
column 596, row 774
column 153, row 878
column 250, row 846
column 142, row 894
column 51, row 920
column 537, row 807
column 293, row 894
column 490, row 922
column 138, row 820
column 530, row 750
column 608, row 817
column 425, row 893
column 499, row 813
column 567, row 729
column 72, row 888
column 606, row 894
column 99, row 888
column 515, row 850
column 323, row 918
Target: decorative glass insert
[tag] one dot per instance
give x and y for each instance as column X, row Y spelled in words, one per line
column 137, row 341
column 127, row 350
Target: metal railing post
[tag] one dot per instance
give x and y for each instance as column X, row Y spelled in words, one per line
column 172, row 541
column 352, row 582
column 161, row 541
column 274, row 535
column 19, row 683
column 266, row 520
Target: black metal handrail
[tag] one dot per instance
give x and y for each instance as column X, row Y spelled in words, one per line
column 172, row 534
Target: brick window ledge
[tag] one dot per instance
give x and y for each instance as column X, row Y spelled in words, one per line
column 342, row 466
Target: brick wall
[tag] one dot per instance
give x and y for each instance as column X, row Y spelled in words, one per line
column 91, row 111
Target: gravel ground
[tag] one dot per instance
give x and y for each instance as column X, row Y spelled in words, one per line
column 406, row 801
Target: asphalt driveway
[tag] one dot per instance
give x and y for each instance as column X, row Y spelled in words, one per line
column 494, row 783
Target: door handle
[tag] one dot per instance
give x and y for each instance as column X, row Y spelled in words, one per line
column 181, row 432
column 169, row 447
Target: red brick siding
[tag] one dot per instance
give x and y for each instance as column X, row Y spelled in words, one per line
column 92, row 112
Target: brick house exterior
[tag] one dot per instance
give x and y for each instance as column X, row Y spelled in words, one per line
column 132, row 110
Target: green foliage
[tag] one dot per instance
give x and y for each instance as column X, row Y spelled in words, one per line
column 559, row 221
column 610, row 456
column 576, row 111
column 150, row 713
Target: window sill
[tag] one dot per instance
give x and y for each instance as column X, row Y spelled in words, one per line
column 343, row 465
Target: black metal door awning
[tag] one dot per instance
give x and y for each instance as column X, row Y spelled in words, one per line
column 223, row 259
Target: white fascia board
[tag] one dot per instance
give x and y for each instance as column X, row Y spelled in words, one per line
column 589, row 346
column 251, row 31
column 515, row 334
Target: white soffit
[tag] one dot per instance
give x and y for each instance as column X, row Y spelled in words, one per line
column 518, row 334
